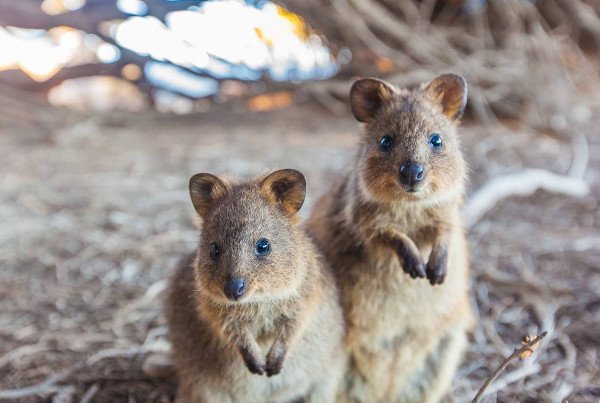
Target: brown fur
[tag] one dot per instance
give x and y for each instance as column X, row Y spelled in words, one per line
column 405, row 336
column 282, row 340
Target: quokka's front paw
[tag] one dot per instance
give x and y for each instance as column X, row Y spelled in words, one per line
column 413, row 265
column 254, row 364
column 256, row 367
column 436, row 269
column 275, row 360
column 273, row 368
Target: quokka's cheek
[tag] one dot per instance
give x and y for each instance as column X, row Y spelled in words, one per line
column 376, row 166
column 385, row 188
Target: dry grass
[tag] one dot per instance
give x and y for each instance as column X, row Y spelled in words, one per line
column 95, row 215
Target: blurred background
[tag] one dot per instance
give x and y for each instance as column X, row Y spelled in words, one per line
column 108, row 107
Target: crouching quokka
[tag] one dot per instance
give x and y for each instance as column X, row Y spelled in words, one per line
column 390, row 221
column 254, row 316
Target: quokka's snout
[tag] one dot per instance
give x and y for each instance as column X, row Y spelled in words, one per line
column 235, row 288
column 411, row 175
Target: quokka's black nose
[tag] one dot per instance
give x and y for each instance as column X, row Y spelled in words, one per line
column 235, row 288
column 411, row 173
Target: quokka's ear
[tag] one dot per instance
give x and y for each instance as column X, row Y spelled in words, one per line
column 450, row 92
column 285, row 188
column 205, row 190
column 367, row 96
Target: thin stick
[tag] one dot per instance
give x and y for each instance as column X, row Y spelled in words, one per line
column 527, row 347
column 89, row 394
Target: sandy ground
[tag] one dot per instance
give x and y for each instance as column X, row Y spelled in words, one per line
column 94, row 214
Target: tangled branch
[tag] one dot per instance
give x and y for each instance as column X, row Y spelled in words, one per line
column 509, row 51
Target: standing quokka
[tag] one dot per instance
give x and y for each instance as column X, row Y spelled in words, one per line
column 255, row 317
column 394, row 217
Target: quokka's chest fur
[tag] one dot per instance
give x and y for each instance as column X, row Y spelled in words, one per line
column 415, row 220
column 386, row 301
column 260, row 316
column 262, row 319
column 418, row 220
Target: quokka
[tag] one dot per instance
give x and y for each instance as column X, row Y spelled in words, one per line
column 254, row 316
column 391, row 220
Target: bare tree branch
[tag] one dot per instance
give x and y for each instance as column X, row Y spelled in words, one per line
column 524, row 183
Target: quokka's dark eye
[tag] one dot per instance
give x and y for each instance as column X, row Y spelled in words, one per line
column 262, row 247
column 385, row 144
column 214, row 250
column 435, row 140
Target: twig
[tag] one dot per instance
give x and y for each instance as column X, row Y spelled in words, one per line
column 41, row 389
column 114, row 353
column 581, row 155
column 522, row 352
column 64, row 394
column 90, row 393
column 22, row 351
column 514, row 376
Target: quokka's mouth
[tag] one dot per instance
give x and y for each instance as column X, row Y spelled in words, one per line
column 234, row 301
column 413, row 190
column 231, row 302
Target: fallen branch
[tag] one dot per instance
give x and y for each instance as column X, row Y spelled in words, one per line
column 524, row 183
column 529, row 345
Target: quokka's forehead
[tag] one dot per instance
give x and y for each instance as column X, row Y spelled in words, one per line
column 408, row 103
column 405, row 118
column 242, row 215
column 410, row 106
column 409, row 113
